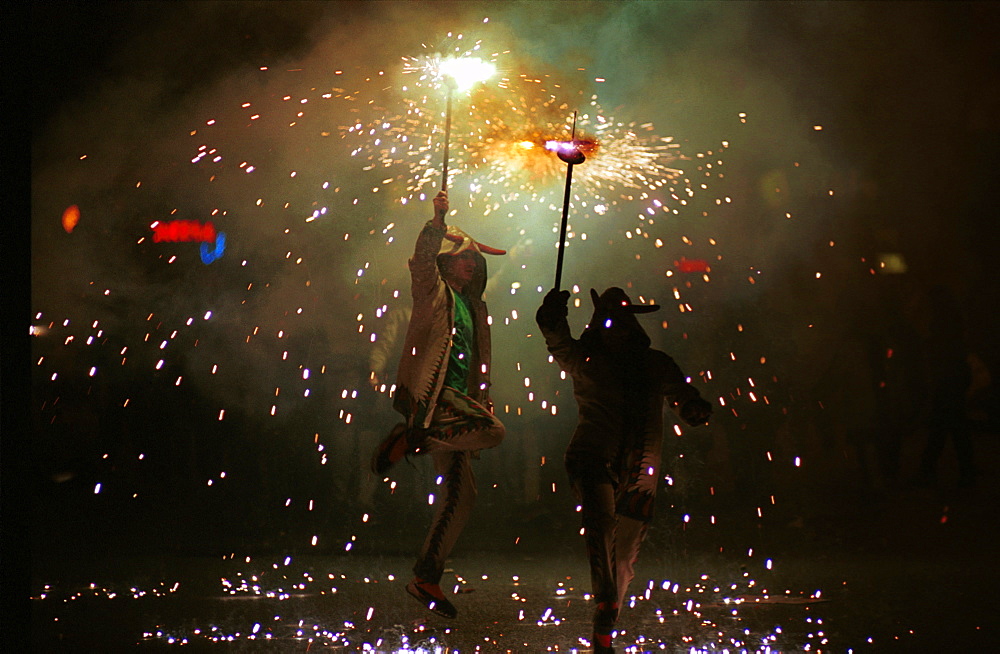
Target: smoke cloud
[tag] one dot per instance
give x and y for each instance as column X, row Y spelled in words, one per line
column 825, row 135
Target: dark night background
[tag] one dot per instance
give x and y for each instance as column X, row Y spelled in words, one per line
column 905, row 164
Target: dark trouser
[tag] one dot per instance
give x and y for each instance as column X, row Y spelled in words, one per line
column 612, row 540
column 458, row 427
column 946, row 421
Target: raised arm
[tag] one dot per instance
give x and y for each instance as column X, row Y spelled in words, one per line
column 551, row 319
column 440, row 210
column 423, row 264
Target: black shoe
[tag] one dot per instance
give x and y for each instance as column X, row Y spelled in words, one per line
column 392, row 448
column 431, row 596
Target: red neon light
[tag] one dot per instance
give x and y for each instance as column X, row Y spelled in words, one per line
column 183, row 230
column 691, row 265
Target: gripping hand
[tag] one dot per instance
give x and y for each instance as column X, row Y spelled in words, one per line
column 553, row 310
column 440, row 208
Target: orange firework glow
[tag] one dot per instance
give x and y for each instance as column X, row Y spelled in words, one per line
column 70, row 217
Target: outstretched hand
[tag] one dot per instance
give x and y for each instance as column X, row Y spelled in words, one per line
column 696, row 411
column 440, row 208
column 554, row 308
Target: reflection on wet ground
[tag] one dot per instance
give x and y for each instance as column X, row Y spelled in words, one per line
column 910, row 576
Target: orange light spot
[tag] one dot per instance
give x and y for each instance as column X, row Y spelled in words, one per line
column 70, row 217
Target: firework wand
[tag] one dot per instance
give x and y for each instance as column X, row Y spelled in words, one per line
column 459, row 74
column 452, row 85
column 571, row 154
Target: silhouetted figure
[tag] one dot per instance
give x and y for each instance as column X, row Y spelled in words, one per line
column 895, row 351
column 949, row 377
column 613, row 459
column 442, row 388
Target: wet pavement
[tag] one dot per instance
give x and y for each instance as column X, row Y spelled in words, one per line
column 909, row 571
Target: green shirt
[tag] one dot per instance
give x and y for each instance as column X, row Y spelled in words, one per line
column 462, row 339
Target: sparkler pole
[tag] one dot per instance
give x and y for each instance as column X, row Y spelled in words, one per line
column 447, row 138
column 459, row 74
column 571, row 157
column 562, row 226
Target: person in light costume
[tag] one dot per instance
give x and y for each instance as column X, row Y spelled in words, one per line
column 613, row 459
column 442, row 388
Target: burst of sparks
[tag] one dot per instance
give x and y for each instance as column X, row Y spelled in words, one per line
column 504, row 138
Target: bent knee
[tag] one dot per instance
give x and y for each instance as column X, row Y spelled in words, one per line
column 495, row 434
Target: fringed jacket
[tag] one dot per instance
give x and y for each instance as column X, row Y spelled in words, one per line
column 427, row 346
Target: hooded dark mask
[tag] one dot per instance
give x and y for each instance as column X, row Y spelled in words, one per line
column 613, row 309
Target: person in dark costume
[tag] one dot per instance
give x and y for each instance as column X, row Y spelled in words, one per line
column 613, row 459
column 949, row 376
column 442, row 388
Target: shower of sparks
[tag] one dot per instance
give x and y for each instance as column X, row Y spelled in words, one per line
column 267, row 339
column 704, row 614
column 628, row 190
column 455, row 60
column 461, row 72
column 503, row 152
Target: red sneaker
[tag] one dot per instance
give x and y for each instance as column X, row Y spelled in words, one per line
column 605, row 616
column 602, row 644
column 431, row 596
